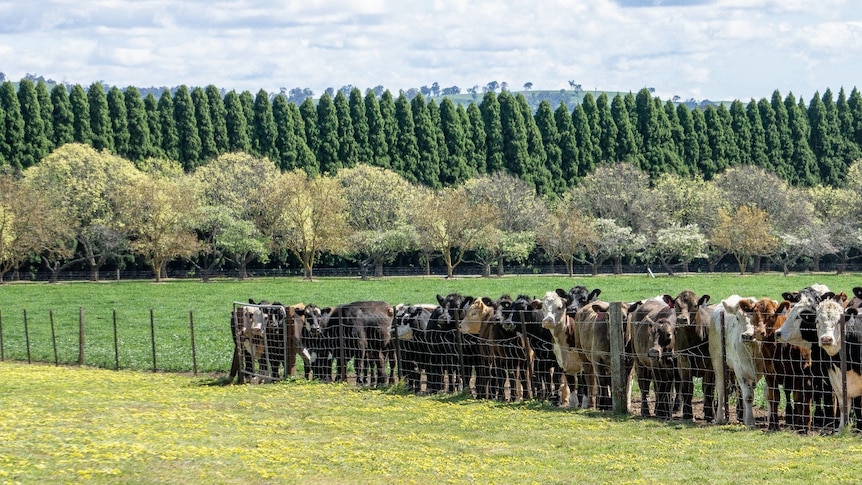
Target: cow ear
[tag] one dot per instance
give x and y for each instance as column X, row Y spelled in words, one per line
column 668, row 299
column 792, row 297
column 536, row 304
column 703, row 300
column 487, row 301
column 783, row 307
column 594, row 294
column 857, row 291
column 852, row 311
column 562, row 293
column 440, row 299
column 634, row 306
column 827, row 295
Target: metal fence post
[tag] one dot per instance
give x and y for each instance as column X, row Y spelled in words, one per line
column 80, row 335
column 845, row 412
column 116, row 346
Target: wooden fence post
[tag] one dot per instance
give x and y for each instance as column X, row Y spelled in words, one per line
column 2, row 352
column 194, row 351
column 27, row 336
column 845, row 413
column 80, row 335
column 116, row 346
column 619, row 380
column 53, row 336
column 153, row 337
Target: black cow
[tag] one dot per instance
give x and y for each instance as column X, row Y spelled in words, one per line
column 528, row 311
column 578, row 296
column 409, row 328
column 361, row 331
column 440, row 340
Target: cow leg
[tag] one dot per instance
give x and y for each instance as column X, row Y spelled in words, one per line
column 708, row 385
column 644, row 379
column 664, row 384
column 747, row 397
column 685, row 390
column 773, row 398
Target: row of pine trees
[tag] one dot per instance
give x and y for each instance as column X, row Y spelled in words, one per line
column 436, row 142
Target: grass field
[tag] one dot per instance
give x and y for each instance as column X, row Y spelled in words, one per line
column 209, row 305
column 83, row 425
column 64, row 424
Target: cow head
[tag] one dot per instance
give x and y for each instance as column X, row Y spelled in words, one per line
column 798, row 327
column 830, row 313
column 481, row 310
column 741, row 309
column 686, row 305
column 766, row 316
column 662, row 332
column 578, row 296
column 554, row 308
column 452, row 309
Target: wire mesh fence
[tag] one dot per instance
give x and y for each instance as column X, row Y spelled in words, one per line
column 513, row 356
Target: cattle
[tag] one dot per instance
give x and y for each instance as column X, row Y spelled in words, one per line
column 578, row 296
column 527, row 311
column 829, row 317
column 785, row 366
column 799, row 330
column 741, row 353
column 411, row 322
column 652, row 329
column 481, row 330
column 692, row 351
column 361, row 331
column 591, row 323
column 247, row 328
column 441, row 343
column 566, row 347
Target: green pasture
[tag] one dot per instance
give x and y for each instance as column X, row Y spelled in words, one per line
column 174, row 303
column 83, row 425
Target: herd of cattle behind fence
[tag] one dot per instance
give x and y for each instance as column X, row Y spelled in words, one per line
column 689, row 357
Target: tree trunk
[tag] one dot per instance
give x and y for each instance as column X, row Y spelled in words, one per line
column 486, row 269
column 815, row 263
column 94, row 272
column 378, row 269
column 500, row 269
column 618, row 265
column 595, row 267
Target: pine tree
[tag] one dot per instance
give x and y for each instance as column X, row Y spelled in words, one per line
column 706, row 163
column 390, row 127
column 584, row 141
column 13, row 144
column 327, row 131
column 538, row 174
column 100, row 118
column 757, row 148
column 846, row 128
column 81, row 131
column 405, row 160
column 428, row 165
column 515, row 149
column 805, row 170
column 347, row 153
column 189, row 142
column 717, row 135
column 772, row 139
column 35, row 144
column 442, row 152
column 46, row 109
column 825, row 139
column 119, row 121
column 236, row 124
column 246, row 100
column 626, row 149
column 477, row 157
column 140, row 144
column 309, row 120
column 358, row 116
column 61, row 116
column 453, row 168
column 285, row 140
column 607, row 130
column 690, row 146
column 168, row 127
column 204, row 123
column 782, row 125
column 490, row 108
column 264, row 131
column 547, row 126
column 855, row 106
column 218, row 113
column 151, row 107
column 376, row 139
column 304, row 155
column 569, row 156
column 591, row 111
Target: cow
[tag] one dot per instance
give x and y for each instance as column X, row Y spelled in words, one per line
column 482, row 347
column 441, row 343
column 785, row 366
column 799, row 330
column 566, row 347
column 828, row 318
column 527, row 311
column 247, row 328
column 652, row 329
column 692, row 351
column 361, row 331
column 591, row 323
column 409, row 325
column 741, row 351
column 578, row 296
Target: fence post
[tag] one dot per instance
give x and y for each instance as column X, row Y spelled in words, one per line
column 116, row 346
column 153, row 337
column 27, row 336
column 53, row 336
column 80, row 335
column 618, row 377
column 721, row 392
column 845, row 413
column 2, row 353
column 194, row 351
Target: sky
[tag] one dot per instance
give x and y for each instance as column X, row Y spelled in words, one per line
column 701, row 49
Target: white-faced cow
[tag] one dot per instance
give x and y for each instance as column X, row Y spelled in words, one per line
column 741, row 352
column 409, row 327
column 652, row 329
column 566, row 347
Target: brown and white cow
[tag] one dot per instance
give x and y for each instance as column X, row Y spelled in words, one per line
column 566, row 347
